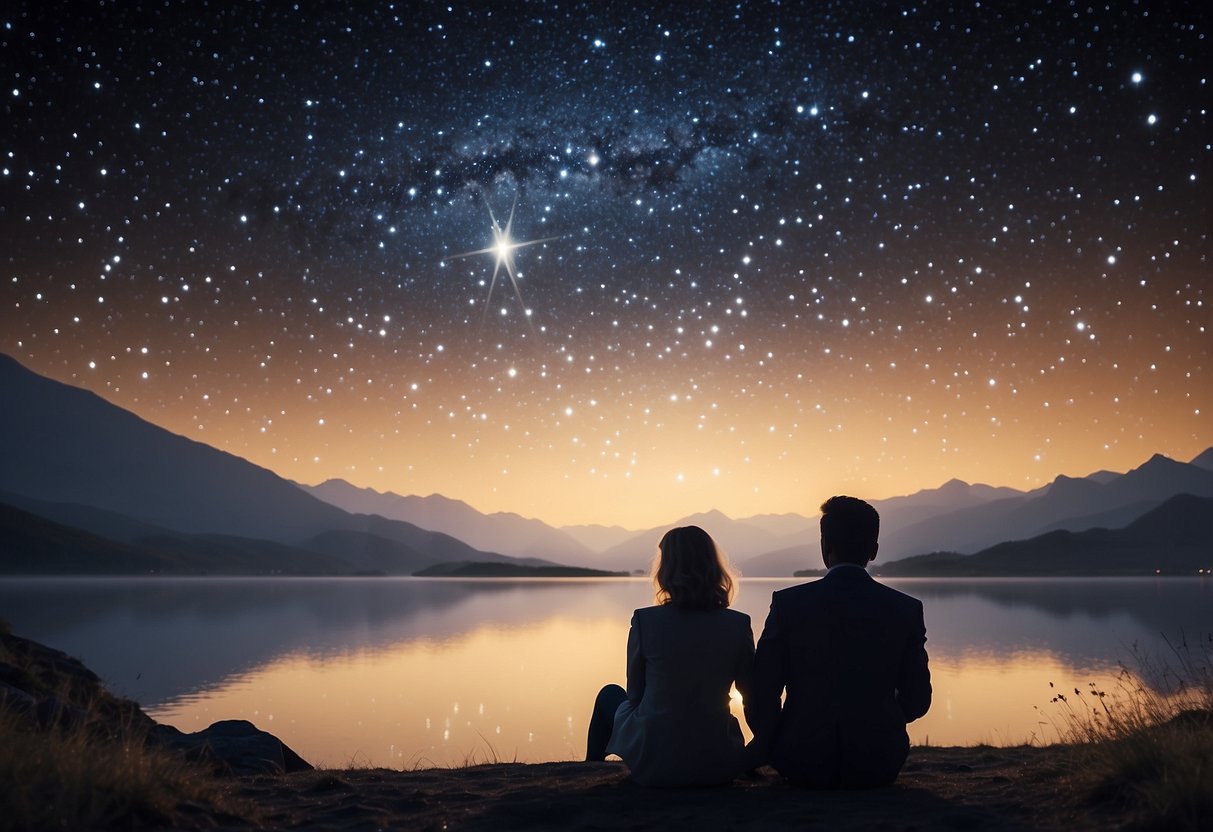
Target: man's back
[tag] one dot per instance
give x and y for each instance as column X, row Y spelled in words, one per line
column 851, row 654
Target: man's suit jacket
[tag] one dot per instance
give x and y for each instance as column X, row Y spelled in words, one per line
column 850, row 652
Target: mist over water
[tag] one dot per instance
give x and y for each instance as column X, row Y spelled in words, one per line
column 408, row 672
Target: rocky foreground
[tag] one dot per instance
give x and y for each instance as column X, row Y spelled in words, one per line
column 942, row 788
column 45, row 689
column 237, row 777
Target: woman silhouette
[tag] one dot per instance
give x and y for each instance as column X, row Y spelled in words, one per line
column 672, row 725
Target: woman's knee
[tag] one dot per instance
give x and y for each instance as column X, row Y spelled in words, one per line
column 611, row 693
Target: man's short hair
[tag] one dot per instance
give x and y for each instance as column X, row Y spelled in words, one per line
column 851, row 527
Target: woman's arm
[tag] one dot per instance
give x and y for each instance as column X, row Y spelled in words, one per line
column 762, row 706
column 743, row 674
column 635, row 662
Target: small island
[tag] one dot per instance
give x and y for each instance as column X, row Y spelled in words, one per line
column 478, row 569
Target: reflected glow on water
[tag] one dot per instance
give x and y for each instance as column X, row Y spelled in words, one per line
column 411, row 673
column 520, row 694
column 998, row 700
column 525, row 695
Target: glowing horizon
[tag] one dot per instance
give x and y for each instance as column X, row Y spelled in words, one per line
column 794, row 270
column 684, row 497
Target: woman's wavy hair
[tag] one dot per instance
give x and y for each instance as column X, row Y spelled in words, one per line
column 690, row 572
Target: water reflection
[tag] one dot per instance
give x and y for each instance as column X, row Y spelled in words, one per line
column 489, row 694
column 411, row 672
column 154, row 640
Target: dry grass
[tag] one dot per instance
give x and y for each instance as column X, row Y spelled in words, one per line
column 72, row 778
column 1146, row 746
column 87, row 766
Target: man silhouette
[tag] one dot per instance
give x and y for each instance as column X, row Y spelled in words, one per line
column 850, row 653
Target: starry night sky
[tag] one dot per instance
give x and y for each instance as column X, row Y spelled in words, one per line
column 797, row 249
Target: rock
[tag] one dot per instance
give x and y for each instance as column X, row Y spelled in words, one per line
column 10, row 674
column 66, row 692
column 53, row 712
column 233, row 746
column 16, row 701
column 49, row 689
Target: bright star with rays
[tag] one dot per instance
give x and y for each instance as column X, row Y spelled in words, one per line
column 503, row 249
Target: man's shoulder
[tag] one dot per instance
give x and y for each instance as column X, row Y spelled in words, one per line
column 895, row 593
column 796, row 594
column 812, row 590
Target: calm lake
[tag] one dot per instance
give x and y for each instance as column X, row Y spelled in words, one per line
column 415, row 672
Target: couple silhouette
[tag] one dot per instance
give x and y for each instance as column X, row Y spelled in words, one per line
column 849, row 652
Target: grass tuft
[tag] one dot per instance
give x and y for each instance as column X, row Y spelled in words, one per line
column 71, row 778
column 72, row 756
column 1146, row 746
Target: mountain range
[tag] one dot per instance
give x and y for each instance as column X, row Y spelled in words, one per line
column 94, row 477
column 1174, row 538
column 82, row 471
column 957, row 517
column 513, row 533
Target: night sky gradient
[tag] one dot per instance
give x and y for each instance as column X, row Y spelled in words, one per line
column 799, row 249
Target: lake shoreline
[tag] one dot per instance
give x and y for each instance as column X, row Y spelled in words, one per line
column 982, row 787
column 109, row 764
column 196, row 650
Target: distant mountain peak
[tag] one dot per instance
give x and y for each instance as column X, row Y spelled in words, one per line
column 338, row 486
column 1157, row 460
column 1063, row 483
column 504, row 532
column 338, row 482
column 1204, row 459
column 713, row 515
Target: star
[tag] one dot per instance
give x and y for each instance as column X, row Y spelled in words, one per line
column 503, row 249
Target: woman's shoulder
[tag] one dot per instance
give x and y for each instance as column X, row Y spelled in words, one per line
column 671, row 611
column 736, row 617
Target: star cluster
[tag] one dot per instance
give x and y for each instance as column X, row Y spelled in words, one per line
column 787, row 249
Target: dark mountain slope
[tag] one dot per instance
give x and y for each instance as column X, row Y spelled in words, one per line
column 1176, row 538
column 65, row 445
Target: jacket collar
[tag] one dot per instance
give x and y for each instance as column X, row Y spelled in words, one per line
column 847, row 571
